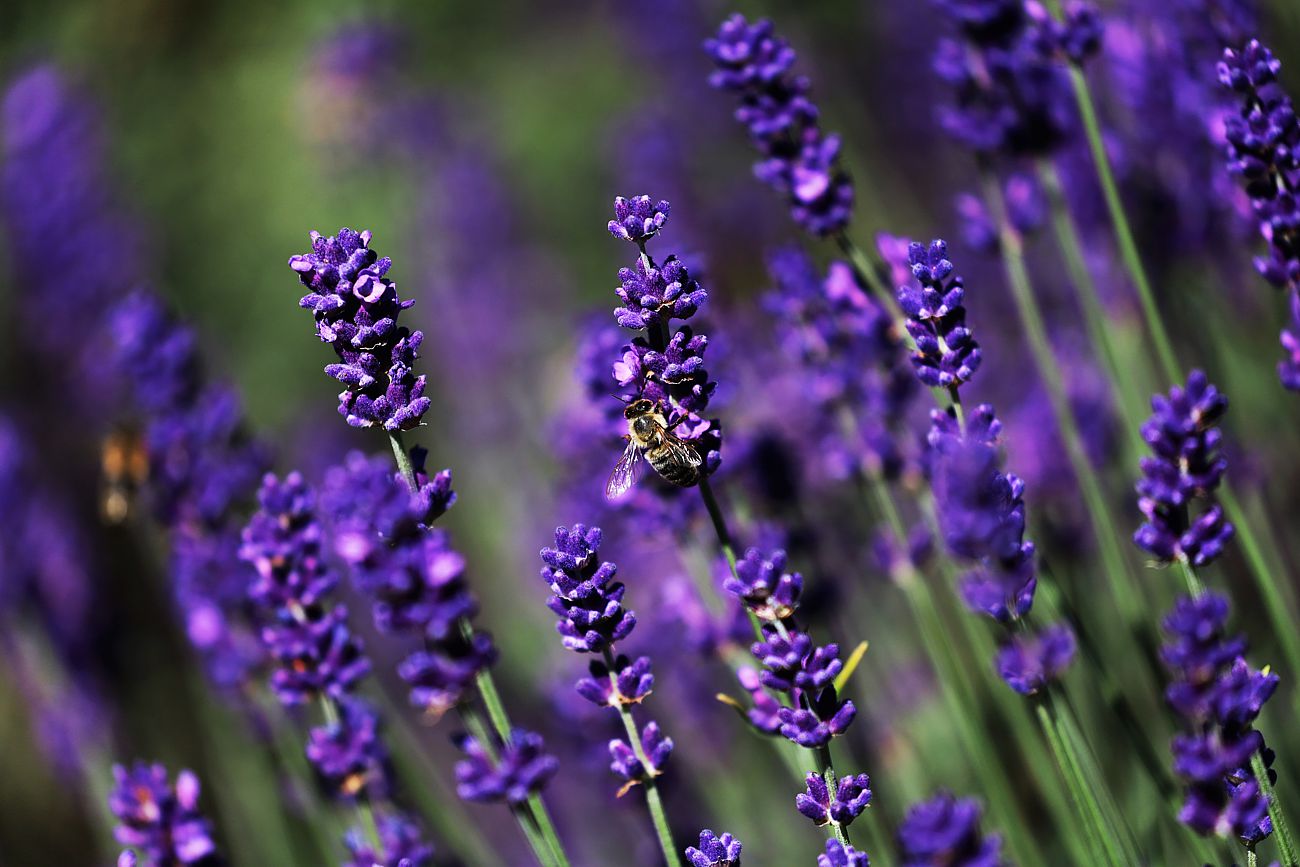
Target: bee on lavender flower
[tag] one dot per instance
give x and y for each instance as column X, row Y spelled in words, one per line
column 649, row 436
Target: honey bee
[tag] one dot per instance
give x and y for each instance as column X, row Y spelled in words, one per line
column 649, row 435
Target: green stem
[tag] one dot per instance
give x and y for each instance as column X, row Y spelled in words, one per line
column 1276, row 604
column 653, row 801
column 1068, row 764
column 404, row 465
column 1119, row 222
column 867, row 274
column 1285, row 842
column 1100, row 327
column 1031, row 318
column 827, row 771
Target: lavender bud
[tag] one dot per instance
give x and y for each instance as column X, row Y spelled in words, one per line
column 159, row 820
column 1028, row 664
column 637, row 219
column 842, row 855
column 356, row 308
column 714, row 851
column 846, row 803
column 945, row 831
column 797, row 159
column 521, row 769
column 347, row 753
column 657, row 748
column 946, row 354
column 402, row 840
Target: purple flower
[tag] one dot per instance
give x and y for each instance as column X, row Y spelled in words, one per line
column 402, row 841
column 1028, row 664
column 796, row 158
column 442, row 674
column 356, row 308
column 1008, row 93
column 519, row 771
column 846, row 803
column 944, row 832
column 653, row 295
column 587, row 600
column 814, row 728
column 946, row 354
column 656, row 746
column 842, row 855
column 982, row 514
column 850, row 362
column 714, row 851
column 412, row 575
column 637, row 219
column 1185, row 465
column 1219, row 695
column 317, row 652
column 762, row 583
column 347, row 753
column 1264, row 153
column 161, row 822
column 626, row 683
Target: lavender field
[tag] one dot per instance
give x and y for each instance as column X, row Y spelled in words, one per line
column 678, row 434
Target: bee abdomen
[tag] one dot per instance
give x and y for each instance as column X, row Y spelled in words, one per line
column 677, row 472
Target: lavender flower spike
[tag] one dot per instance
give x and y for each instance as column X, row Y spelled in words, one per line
column 944, row 832
column 797, row 158
column 356, row 308
column 158, row 820
column 842, row 855
column 637, row 219
column 946, row 353
column 1185, row 466
column 714, row 851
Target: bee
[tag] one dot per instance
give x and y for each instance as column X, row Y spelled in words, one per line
column 649, row 435
column 124, row 467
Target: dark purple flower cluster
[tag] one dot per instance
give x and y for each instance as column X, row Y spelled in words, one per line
column 1219, row 695
column 1010, row 93
column 412, row 575
column 839, row 854
column 850, row 361
column 714, row 851
column 662, row 366
column 161, row 822
column 944, row 832
column 1185, row 467
column 402, row 841
column 981, row 513
column 318, row 656
column 842, row 805
column 521, row 768
column 356, row 308
column 589, row 603
column 1029, row 663
column 1264, row 153
column 797, row 158
column 203, row 471
column 795, row 668
column 946, row 353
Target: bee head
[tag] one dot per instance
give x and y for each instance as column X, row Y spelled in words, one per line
column 637, row 408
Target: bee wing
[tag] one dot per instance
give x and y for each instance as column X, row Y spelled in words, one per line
column 625, row 473
column 684, row 451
